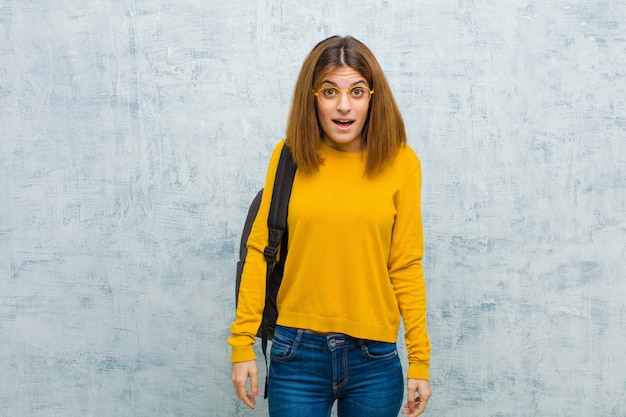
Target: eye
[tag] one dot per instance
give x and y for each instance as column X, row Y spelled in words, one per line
column 329, row 92
column 357, row 92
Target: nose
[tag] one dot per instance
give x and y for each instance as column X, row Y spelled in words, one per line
column 344, row 103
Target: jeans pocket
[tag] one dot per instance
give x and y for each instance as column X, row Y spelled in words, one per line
column 283, row 348
column 379, row 350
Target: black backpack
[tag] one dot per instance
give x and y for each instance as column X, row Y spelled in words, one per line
column 277, row 236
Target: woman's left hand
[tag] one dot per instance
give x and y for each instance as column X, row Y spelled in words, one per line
column 418, row 393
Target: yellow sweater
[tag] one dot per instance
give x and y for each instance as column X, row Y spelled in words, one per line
column 354, row 256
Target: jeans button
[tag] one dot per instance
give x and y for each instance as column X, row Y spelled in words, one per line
column 332, row 342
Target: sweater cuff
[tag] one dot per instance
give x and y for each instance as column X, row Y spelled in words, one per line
column 418, row 371
column 243, row 354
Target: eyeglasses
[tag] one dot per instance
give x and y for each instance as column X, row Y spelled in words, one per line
column 358, row 95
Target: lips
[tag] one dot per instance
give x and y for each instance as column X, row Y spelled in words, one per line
column 343, row 124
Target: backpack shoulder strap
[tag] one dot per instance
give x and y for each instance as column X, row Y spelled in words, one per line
column 277, row 225
column 277, row 218
column 243, row 244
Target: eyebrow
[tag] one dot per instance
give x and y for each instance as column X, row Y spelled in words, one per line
column 351, row 85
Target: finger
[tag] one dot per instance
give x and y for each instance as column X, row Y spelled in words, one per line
column 251, row 401
column 410, row 407
column 412, row 398
column 412, row 411
column 416, row 407
column 247, row 398
column 420, row 406
column 242, row 393
column 255, row 391
column 254, row 383
column 240, row 390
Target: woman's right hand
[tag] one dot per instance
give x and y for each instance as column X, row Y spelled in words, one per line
column 240, row 374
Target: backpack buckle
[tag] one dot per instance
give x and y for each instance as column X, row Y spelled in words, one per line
column 270, row 253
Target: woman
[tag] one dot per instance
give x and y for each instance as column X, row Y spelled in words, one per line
column 355, row 249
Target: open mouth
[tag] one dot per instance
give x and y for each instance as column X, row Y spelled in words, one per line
column 343, row 123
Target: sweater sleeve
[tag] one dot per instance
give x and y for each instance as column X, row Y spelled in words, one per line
column 251, row 300
column 407, row 274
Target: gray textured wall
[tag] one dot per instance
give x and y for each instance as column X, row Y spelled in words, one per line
column 135, row 133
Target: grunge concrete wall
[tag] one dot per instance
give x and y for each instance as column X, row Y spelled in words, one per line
column 134, row 133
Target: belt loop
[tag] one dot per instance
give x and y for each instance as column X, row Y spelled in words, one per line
column 298, row 340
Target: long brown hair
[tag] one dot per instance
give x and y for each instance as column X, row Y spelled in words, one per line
column 383, row 133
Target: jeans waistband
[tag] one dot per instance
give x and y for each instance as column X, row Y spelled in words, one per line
column 310, row 337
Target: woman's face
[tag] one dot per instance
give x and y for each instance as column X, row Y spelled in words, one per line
column 342, row 120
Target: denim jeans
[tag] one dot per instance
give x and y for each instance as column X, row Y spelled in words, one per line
column 309, row 372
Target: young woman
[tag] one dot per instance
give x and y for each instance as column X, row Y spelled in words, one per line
column 355, row 248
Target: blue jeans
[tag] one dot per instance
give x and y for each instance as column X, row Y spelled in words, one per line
column 309, row 371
